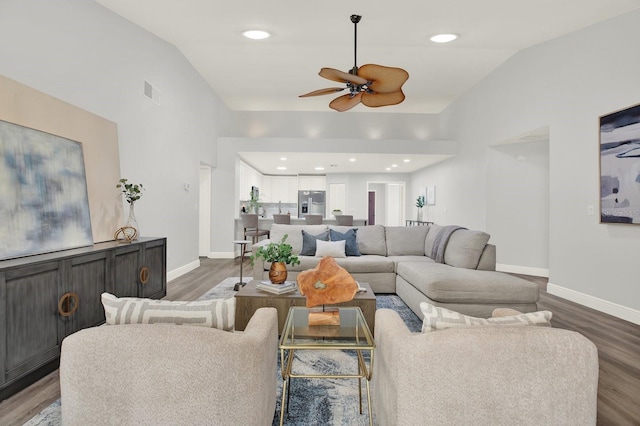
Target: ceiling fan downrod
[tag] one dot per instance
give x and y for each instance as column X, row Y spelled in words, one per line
column 355, row 19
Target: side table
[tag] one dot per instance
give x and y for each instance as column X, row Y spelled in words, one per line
column 243, row 248
column 352, row 334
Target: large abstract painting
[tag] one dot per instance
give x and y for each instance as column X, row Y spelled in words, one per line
column 43, row 193
column 620, row 166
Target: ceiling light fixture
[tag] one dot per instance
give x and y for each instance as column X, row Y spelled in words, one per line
column 353, row 160
column 406, row 160
column 394, row 165
column 281, row 168
column 319, row 168
column 443, row 38
column 283, row 158
column 388, row 168
column 256, row 34
column 373, row 85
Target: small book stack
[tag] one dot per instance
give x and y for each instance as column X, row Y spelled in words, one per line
column 284, row 288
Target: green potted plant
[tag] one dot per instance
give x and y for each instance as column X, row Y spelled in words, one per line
column 254, row 202
column 279, row 254
column 132, row 193
column 420, row 204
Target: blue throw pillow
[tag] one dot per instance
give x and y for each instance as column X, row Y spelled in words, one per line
column 309, row 242
column 351, row 246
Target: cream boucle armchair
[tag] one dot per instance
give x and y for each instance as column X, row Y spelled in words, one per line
column 171, row 375
column 492, row 375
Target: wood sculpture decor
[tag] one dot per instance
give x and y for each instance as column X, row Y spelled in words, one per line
column 326, row 284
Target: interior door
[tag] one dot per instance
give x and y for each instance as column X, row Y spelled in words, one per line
column 371, row 219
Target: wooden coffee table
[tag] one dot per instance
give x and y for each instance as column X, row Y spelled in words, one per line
column 249, row 299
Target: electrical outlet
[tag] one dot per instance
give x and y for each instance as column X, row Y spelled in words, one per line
column 187, row 187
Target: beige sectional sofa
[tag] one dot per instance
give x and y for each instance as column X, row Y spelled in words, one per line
column 399, row 260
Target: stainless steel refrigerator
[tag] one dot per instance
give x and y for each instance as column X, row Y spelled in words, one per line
column 311, row 202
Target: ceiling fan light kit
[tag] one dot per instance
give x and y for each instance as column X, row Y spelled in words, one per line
column 372, row 85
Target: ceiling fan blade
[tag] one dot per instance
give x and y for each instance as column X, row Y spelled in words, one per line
column 345, row 102
column 320, row 92
column 341, row 76
column 382, row 99
column 384, row 79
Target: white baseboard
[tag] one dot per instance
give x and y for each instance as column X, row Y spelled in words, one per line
column 221, row 255
column 524, row 270
column 596, row 303
column 172, row 275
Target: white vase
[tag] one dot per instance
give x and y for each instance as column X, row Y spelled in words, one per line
column 419, row 215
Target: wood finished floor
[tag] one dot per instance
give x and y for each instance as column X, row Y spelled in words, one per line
column 618, row 345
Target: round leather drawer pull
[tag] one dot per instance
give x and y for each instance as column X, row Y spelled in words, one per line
column 65, row 307
column 144, row 275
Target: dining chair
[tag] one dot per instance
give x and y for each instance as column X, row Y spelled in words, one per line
column 250, row 225
column 313, row 219
column 284, row 219
column 344, row 220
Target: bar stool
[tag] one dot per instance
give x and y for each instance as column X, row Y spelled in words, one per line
column 250, row 224
column 284, row 219
column 344, row 220
column 313, row 219
column 243, row 249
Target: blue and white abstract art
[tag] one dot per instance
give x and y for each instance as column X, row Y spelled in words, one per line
column 620, row 166
column 44, row 205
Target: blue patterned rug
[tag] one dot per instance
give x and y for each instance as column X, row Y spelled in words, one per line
column 312, row 401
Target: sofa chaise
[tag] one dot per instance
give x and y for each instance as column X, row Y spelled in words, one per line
column 399, row 260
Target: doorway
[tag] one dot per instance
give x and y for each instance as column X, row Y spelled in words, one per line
column 204, row 218
column 371, row 217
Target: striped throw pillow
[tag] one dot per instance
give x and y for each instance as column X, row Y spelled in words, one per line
column 436, row 318
column 215, row 313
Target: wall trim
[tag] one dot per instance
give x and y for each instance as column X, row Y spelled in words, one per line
column 596, row 303
column 221, row 255
column 172, row 275
column 524, row 270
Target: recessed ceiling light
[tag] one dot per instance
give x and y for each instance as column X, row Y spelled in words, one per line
column 388, row 168
column 281, row 168
column 319, row 168
column 283, row 158
column 443, row 38
column 352, row 160
column 394, row 165
column 406, row 160
column 256, row 34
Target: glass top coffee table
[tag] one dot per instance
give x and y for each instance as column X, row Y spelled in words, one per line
column 352, row 334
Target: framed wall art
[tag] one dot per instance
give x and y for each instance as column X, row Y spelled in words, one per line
column 620, row 166
column 43, row 190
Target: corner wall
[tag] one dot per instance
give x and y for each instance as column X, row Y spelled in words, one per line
column 567, row 84
column 87, row 56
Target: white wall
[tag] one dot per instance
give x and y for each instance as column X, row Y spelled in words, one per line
column 566, row 84
column 518, row 205
column 83, row 54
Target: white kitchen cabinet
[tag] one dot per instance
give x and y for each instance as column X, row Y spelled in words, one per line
column 268, row 190
column 312, row 183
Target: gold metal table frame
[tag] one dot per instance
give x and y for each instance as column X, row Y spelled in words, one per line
column 352, row 334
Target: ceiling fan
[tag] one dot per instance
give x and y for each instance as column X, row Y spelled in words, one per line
column 373, row 85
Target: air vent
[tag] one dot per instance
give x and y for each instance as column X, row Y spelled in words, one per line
column 151, row 92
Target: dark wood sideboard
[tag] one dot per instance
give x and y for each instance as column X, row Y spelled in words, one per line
column 46, row 297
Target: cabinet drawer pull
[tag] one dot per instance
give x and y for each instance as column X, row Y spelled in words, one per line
column 144, row 275
column 65, row 307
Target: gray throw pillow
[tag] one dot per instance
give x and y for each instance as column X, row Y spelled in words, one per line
column 351, row 246
column 309, row 242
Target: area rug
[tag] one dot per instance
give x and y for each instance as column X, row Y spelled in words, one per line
column 312, row 401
